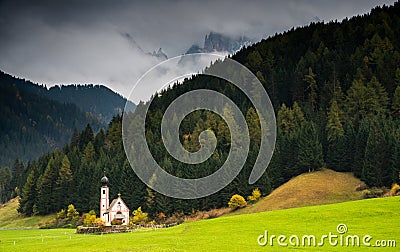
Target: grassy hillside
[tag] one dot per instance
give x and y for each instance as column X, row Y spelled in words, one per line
column 378, row 218
column 309, row 189
column 10, row 219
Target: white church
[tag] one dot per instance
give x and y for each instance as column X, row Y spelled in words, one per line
column 117, row 210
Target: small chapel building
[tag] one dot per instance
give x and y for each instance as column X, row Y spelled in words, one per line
column 116, row 211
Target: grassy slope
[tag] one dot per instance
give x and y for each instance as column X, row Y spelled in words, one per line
column 321, row 187
column 9, row 217
column 309, row 189
column 376, row 217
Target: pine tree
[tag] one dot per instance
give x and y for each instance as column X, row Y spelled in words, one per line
column 336, row 151
column 46, row 202
column 253, row 124
column 87, row 183
column 64, row 183
column 75, row 138
column 255, row 60
column 99, row 141
column 396, row 103
column 298, row 115
column 285, row 120
column 89, row 153
column 310, row 156
column 397, row 77
column 5, row 179
column 375, row 169
column 395, row 159
column 313, row 89
column 358, row 101
column 18, row 177
column 28, row 195
column 360, row 137
column 86, row 136
column 380, row 96
column 334, row 126
column 194, row 137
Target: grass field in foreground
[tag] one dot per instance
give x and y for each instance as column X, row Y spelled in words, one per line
column 379, row 218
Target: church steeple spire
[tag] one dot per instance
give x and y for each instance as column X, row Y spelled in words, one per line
column 104, row 198
column 104, row 179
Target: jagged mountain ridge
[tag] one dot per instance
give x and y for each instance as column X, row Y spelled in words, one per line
column 220, row 43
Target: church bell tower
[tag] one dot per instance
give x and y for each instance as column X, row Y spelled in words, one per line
column 104, row 199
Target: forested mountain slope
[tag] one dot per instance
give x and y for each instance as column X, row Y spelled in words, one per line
column 31, row 124
column 100, row 101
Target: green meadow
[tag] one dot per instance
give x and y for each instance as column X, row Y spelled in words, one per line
column 378, row 218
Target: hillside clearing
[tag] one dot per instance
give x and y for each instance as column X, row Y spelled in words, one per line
column 309, row 189
column 10, row 219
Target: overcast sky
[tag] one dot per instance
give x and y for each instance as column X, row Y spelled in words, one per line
column 106, row 42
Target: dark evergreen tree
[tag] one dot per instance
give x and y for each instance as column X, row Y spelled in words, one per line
column 5, row 184
column 376, row 162
column 28, row 199
column 360, row 141
column 18, row 177
column 395, row 158
column 46, row 186
column 75, row 138
column 310, row 148
column 64, row 184
column 312, row 88
column 334, row 126
column 396, row 103
column 85, row 137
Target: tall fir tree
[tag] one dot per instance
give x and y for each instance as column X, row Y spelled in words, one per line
column 310, row 155
column 46, row 202
column 5, row 184
column 18, row 176
column 253, row 123
column 312, row 88
column 28, row 195
column 376, row 162
column 396, row 103
column 64, row 184
column 395, row 158
column 380, row 96
column 334, row 126
column 285, row 119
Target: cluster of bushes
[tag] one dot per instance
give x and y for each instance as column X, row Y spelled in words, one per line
column 65, row 219
column 395, row 191
column 90, row 220
column 238, row 201
column 210, row 214
column 377, row 192
column 374, row 192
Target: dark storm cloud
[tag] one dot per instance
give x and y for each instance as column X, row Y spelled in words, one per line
column 108, row 41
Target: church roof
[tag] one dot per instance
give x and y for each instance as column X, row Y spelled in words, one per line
column 112, row 203
column 115, row 202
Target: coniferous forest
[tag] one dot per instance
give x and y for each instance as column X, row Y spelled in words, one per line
column 35, row 119
column 335, row 88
